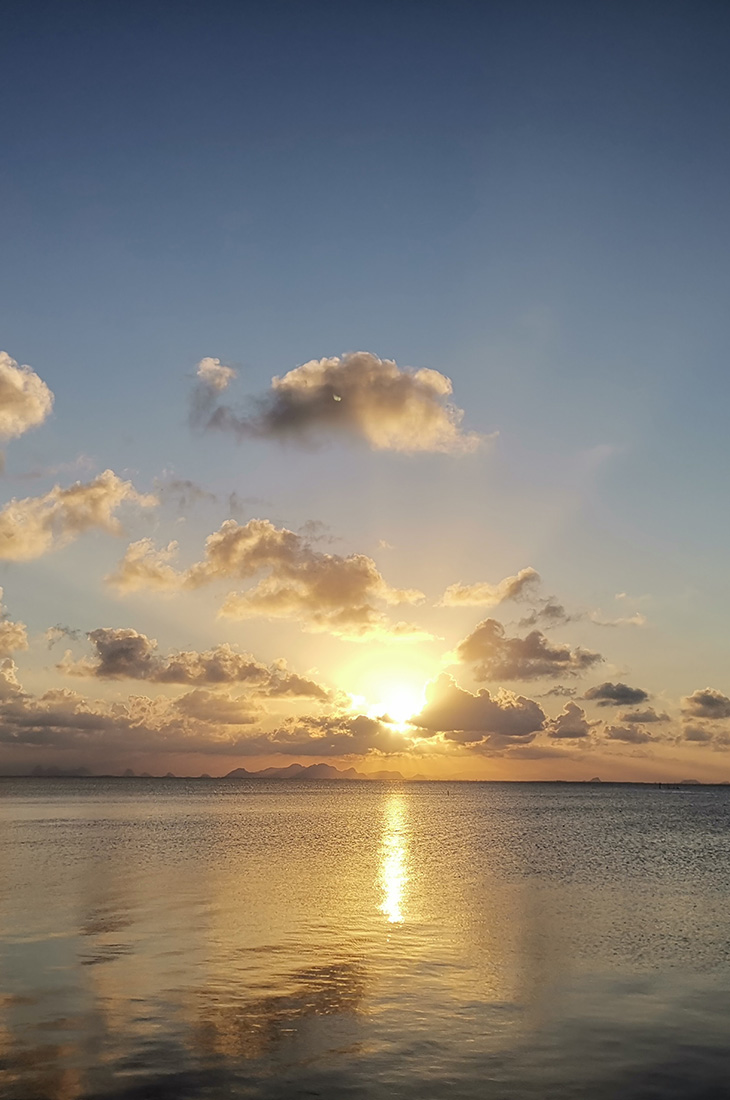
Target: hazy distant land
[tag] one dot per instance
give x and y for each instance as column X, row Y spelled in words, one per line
column 325, row 771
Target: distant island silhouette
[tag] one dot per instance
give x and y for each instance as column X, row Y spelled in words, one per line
column 328, row 771
column 293, row 771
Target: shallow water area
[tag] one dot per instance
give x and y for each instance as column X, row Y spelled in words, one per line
column 213, row 938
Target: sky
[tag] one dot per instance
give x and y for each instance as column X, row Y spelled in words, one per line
column 364, row 388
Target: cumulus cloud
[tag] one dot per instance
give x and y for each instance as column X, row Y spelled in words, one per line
column 200, row 721
column 34, row 526
column 126, row 654
column 334, row 735
column 322, row 591
column 697, row 733
column 213, row 374
column 481, row 719
column 707, row 703
column 145, row 565
column 570, row 723
column 498, row 657
column 356, row 396
column 616, row 695
column 13, row 636
column 218, row 709
column 630, row 734
column 489, row 595
column 643, row 716
column 25, row 399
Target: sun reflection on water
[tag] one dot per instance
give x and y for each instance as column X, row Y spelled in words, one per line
column 393, row 861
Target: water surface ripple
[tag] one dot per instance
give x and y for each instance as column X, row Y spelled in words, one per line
column 180, row 940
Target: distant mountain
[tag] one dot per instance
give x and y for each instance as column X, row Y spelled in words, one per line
column 54, row 773
column 312, row 771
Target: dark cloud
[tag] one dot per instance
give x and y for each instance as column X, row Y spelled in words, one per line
column 478, row 719
column 126, row 654
column 497, row 657
column 356, row 396
column 333, row 735
column 550, row 613
column 697, row 733
column 643, row 716
column 58, row 632
column 707, row 703
column 571, row 723
column 615, row 695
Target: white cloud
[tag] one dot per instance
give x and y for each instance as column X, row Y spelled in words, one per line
column 322, row 591
column 212, row 373
column 489, row 595
column 25, row 399
column 34, row 526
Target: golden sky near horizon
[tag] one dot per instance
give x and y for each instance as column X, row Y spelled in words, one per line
column 286, row 644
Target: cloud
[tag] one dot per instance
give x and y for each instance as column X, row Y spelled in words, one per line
column 322, row 591
column 218, row 709
column 13, row 636
column 697, row 733
column 550, row 613
column 644, row 716
column 355, row 396
column 57, row 633
column 629, row 734
column 637, row 619
column 201, row 721
column 182, row 493
column 34, row 526
column 497, row 657
column 145, row 565
column 570, row 723
column 481, row 719
column 616, row 695
column 334, row 735
column 25, row 400
column 707, row 703
column 125, row 654
column 489, row 595
column 214, row 375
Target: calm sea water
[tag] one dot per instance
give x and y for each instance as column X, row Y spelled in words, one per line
column 186, row 939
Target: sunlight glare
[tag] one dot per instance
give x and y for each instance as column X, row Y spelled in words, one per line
column 393, row 876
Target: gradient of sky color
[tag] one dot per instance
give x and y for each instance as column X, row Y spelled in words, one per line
column 530, row 199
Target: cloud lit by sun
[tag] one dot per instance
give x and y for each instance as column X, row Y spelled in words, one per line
column 398, row 703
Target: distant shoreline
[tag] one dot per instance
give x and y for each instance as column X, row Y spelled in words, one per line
column 659, row 784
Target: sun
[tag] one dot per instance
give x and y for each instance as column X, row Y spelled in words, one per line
column 397, row 703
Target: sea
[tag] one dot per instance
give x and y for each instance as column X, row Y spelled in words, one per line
column 185, row 939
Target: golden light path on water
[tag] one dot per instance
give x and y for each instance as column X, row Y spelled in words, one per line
column 394, row 860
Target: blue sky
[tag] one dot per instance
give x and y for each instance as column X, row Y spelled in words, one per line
column 528, row 198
